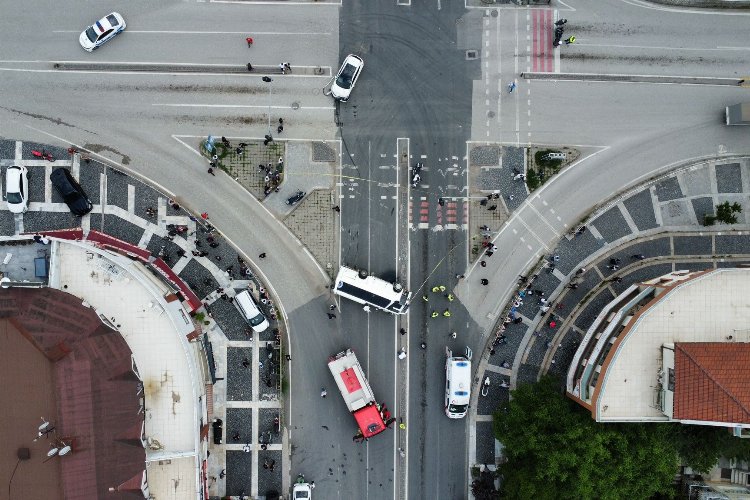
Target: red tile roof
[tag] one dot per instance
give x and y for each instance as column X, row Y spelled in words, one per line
column 712, row 382
column 97, row 400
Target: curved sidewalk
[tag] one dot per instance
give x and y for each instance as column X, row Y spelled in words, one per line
column 659, row 220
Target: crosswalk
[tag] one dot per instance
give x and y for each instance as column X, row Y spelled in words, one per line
column 542, row 36
column 427, row 213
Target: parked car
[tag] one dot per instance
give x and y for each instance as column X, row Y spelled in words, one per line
column 346, row 78
column 296, row 198
column 102, row 31
column 301, row 491
column 72, row 192
column 17, row 189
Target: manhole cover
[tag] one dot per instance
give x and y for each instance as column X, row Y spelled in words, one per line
column 295, row 105
column 494, row 13
column 471, row 55
column 490, row 114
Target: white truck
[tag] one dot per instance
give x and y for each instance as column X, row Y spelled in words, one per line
column 357, row 393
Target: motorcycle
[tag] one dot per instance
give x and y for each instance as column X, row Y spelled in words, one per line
column 416, row 178
column 43, row 154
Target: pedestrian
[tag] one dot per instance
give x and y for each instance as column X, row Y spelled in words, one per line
column 581, row 270
column 493, row 207
column 741, row 82
column 434, row 314
column 249, row 41
column 280, row 129
column 211, row 171
column 262, row 255
column 261, row 167
column 569, row 40
column 484, row 281
column 332, row 307
column 450, row 297
column 288, row 357
column 265, row 464
column 323, row 392
column 239, row 151
column 312, row 485
column 271, row 465
column 336, row 208
column 447, row 313
column 245, row 362
column 402, row 331
column 287, row 67
column 552, row 324
column 249, row 67
column 489, row 253
column 511, row 86
column 204, row 215
column 222, row 473
column 638, row 256
column 402, row 353
column 453, row 335
column 282, row 69
column 482, row 263
column 425, row 298
column 246, row 448
column 225, row 141
column 423, row 345
column 236, row 436
column 441, row 288
column 281, row 121
column 510, row 197
column 331, row 316
column 573, row 286
column 460, row 276
column 483, row 203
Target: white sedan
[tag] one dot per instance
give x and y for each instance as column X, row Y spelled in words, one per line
column 347, row 77
column 102, row 31
column 17, row 189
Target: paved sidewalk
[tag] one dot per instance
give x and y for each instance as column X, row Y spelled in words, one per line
column 660, row 219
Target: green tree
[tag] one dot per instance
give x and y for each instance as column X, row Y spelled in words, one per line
column 555, row 450
column 700, row 446
column 725, row 212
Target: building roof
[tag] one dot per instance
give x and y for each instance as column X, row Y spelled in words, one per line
column 707, row 307
column 711, row 382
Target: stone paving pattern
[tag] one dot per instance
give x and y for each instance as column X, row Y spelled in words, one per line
column 203, row 275
column 314, row 223
column 669, row 209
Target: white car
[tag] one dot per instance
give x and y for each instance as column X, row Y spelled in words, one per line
column 101, row 31
column 17, row 189
column 346, row 77
column 301, row 491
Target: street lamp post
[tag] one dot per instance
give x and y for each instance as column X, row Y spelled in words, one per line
column 268, row 80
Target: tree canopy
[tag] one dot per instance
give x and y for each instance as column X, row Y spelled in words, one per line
column 555, row 450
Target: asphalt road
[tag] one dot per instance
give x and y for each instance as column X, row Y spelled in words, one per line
column 417, row 84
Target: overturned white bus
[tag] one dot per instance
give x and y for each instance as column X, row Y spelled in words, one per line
column 360, row 287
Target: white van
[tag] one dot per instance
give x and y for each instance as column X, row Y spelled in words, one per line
column 457, row 386
column 245, row 304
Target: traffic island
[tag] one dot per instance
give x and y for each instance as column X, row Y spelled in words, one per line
column 545, row 162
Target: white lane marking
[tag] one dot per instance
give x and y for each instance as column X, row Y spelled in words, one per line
column 235, row 106
column 246, row 33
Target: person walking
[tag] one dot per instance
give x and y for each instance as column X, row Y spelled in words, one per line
column 282, row 68
column 331, row 316
column 434, row 314
column 425, row 298
column 569, row 40
column 323, row 392
column 336, row 208
column 453, row 335
column 447, row 313
column 511, row 86
column 332, row 307
column 249, row 41
column 484, row 281
column 211, row 171
column 262, row 255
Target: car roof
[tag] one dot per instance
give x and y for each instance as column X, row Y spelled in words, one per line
column 103, row 24
column 13, row 179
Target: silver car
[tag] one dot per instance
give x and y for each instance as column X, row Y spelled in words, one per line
column 17, row 189
column 346, row 77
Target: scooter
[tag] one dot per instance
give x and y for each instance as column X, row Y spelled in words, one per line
column 486, row 386
column 43, row 154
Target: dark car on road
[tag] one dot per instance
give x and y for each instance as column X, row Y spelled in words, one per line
column 72, row 193
column 297, row 197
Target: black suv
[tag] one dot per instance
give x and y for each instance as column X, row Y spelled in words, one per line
column 72, row 193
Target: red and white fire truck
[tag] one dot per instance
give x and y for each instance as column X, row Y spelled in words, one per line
column 357, row 394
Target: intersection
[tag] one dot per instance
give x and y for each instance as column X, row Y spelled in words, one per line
column 433, row 88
